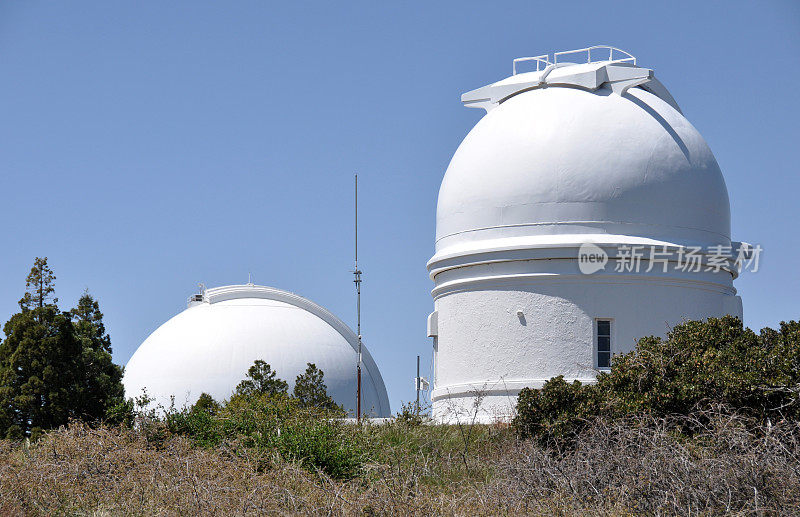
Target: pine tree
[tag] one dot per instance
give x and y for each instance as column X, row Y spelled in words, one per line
column 40, row 361
column 102, row 388
column 310, row 389
column 39, row 286
column 261, row 380
column 52, row 369
column 40, row 368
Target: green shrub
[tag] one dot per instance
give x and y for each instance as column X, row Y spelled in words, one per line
column 699, row 365
column 556, row 413
column 411, row 415
column 122, row 414
column 261, row 416
column 320, row 442
column 205, row 403
column 313, row 437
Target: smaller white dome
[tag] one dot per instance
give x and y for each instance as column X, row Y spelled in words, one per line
column 209, row 347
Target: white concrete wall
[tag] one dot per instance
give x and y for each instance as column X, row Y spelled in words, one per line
column 489, row 349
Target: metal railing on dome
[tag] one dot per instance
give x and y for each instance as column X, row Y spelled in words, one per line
column 543, row 61
column 540, row 60
column 628, row 57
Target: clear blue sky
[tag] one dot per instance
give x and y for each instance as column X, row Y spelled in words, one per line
column 149, row 146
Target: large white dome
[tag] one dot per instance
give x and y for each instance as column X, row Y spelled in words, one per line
column 209, row 347
column 563, row 160
column 564, row 223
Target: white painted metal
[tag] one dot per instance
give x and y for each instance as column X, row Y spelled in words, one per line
column 629, row 58
column 541, row 61
column 617, row 75
column 546, row 170
column 209, row 347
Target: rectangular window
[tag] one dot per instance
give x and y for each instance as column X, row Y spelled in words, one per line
column 603, row 343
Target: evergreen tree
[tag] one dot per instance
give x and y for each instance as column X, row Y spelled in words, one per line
column 52, row 369
column 40, row 361
column 39, row 286
column 102, row 388
column 261, row 380
column 310, row 389
column 40, row 368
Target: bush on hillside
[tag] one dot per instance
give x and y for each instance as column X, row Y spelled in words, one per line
column 312, row 437
column 628, row 466
column 556, row 413
column 699, row 365
column 205, row 403
column 305, row 428
column 411, row 415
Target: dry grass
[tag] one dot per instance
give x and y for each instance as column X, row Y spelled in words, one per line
column 641, row 466
column 632, row 467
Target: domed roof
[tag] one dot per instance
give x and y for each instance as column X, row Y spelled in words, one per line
column 209, row 347
column 563, row 162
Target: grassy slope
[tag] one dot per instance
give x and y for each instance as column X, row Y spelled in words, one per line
column 631, row 467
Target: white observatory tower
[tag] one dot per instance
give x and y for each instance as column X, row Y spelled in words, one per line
column 592, row 159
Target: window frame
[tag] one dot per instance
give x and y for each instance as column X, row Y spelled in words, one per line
column 596, row 342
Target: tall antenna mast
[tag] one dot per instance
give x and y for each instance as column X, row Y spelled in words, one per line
column 357, row 274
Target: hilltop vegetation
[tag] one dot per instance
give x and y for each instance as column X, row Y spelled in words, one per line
column 623, row 467
column 705, row 421
column 699, row 366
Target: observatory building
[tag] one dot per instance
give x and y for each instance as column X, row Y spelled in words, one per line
column 564, row 225
column 210, row 346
